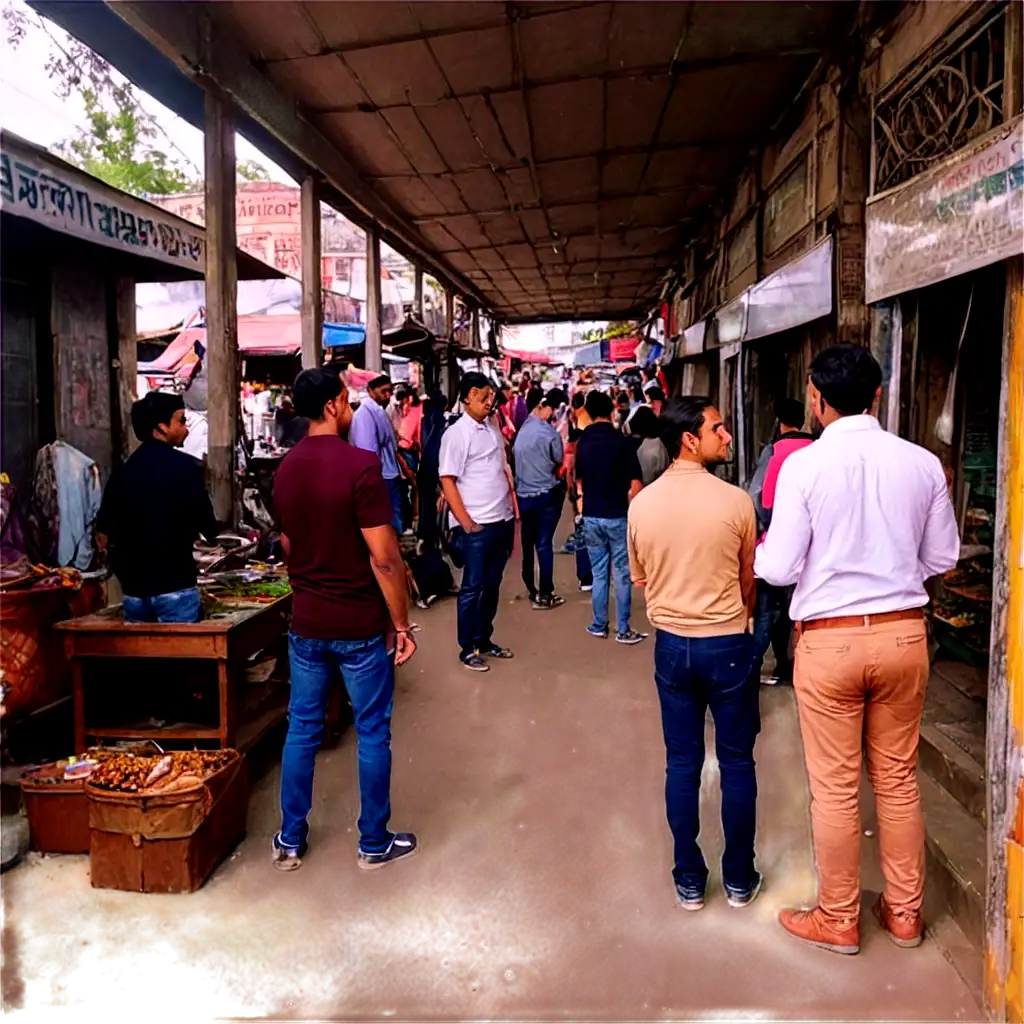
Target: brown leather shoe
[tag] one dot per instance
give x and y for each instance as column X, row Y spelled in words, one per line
column 811, row 926
column 906, row 928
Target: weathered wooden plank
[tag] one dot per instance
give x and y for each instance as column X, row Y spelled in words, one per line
column 373, row 301
column 1004, row 918
column 312, row 286
column 127, row 361
column 221, row 301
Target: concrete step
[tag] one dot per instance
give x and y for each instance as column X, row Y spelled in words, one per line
column 955, row 859
column 952, row 749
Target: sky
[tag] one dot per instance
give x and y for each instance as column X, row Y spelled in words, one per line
column 30, row 107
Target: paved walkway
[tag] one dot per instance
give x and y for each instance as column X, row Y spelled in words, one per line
column 542, row 890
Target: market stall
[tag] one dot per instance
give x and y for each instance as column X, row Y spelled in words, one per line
column 182, row 682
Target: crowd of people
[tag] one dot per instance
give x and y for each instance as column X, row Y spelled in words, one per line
column 825, row 559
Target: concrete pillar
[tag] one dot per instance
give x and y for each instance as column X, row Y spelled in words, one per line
column 222, row 375
column 374, row 360
column 312, row 285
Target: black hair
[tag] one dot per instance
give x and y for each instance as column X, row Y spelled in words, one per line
column 637, row 393
column 599, row 405
column 655, row 395
column 555, row 398
column 533, row 398
column 682, row 415
column 378, row 382
column 579, row 399
column 790, row 412
column 644, row 423
column 847, row 377
column 472, row 380
column 154, row 410
column 313, row 389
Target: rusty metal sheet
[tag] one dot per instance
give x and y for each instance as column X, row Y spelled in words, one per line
column 567, row 119
column 400, row 73
column 448, row 127
column 504, row 230
column 368, row 139
column 963, row 214
column 569, row 181
column 545, row 53
column 325, row 83
column 476, row 61
column 415, row 140
column 632, row 109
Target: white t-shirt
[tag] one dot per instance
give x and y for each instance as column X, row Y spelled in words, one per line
column 474, row 454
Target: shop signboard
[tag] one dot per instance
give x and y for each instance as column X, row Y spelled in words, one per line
column 795, row 294
column 40, row 188
column 693, row 339
column 966, row 212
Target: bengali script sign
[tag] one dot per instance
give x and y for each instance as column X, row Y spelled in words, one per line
column 55, row 195
column 966, row 213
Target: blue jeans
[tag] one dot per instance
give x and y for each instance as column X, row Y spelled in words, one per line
column 606, row 546
column 771, row 629
column 369, row 677
column 484, row 555
column 693, row 674
column 538, row 521
column 397, row 494
column 177, row 606
column 583, row 571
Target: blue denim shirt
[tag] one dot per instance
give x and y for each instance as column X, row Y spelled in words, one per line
column 538, row 451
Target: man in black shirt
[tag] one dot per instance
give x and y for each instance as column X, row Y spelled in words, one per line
column 154, row 508
column 608, row 477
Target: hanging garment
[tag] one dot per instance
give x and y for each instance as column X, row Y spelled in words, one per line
column 78, row 502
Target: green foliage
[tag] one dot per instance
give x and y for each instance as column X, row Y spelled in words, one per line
column 620, row 329
column 115, row 147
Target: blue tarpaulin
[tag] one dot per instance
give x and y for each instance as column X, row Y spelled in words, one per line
column 337, row 335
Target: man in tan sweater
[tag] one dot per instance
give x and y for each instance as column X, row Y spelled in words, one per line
column 691, row 545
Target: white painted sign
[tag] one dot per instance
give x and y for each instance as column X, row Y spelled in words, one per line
column 967, row 212
column 50, row 192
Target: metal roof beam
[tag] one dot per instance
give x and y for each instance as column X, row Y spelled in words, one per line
column 188, row 36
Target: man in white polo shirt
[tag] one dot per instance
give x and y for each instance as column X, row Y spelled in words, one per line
column 477, row 486
column 861, row 519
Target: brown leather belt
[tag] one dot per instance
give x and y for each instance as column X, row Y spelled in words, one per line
column 855, row 621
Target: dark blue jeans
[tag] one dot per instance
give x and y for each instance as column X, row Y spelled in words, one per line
column 177, row 606
column 609, row 559
column 484, row 555
column 538, row 520
column 396, row 491
column 693, row 674
column 771, row 629
column 368, row 673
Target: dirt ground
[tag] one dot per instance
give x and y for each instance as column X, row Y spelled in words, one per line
column 542, row 889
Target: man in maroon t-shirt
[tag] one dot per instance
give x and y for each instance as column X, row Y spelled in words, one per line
column 348, row 580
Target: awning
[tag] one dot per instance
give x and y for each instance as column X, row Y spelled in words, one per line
column 589, row 355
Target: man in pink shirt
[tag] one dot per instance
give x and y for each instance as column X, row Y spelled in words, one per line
column 861, row 519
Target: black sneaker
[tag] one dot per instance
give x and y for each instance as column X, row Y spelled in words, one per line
column 744, row 897
column 403, row 844
column 631, row 636
column 494, row 651
column 474, row 662
column 545, row 602
column 690, row 897
column 286, row 858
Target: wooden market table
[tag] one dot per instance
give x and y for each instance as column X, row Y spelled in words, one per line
column 227, row 640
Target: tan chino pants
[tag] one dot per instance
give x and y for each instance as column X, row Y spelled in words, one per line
column 857, row 689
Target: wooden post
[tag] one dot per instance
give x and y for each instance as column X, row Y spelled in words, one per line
column 221, row 302
column 476, row 329
column 127, row 361
column 1004, row 775
column 312, row 285
column 449, row 314
column 374, row 360
column 417, row 302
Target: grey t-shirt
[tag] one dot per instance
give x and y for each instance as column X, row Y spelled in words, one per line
column 539, row 453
